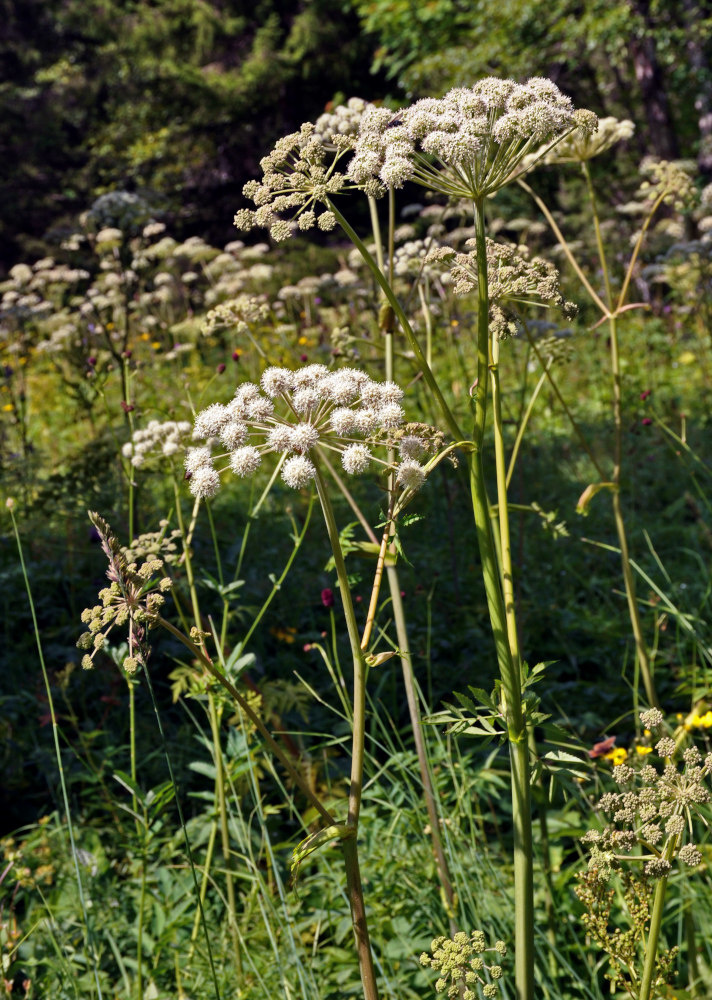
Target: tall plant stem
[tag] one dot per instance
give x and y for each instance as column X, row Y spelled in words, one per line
column 505, row 543
column 350, row 847
column 656, row 919
column 412, row 698
column 507, row 658
column 628, row 578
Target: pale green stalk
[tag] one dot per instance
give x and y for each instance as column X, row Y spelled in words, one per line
column 564, row 405
column 181, row 819
column 628, row 578
column 503, row 624
column 58, row 756
column 349, row 846
column 244, row 705
column 523, row 425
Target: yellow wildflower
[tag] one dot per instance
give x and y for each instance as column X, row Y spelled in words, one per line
column 617, row 755
column 643, row 750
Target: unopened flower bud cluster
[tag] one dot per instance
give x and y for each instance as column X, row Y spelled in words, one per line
column 653, row 811
column 670, row 178
column 297, row 413
column 461, row 967
column 134, row 597
column 238, row 314
column 479, row 134
column 581, row 145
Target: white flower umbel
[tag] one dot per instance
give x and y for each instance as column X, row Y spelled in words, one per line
column 302, row 413
column 467, row 143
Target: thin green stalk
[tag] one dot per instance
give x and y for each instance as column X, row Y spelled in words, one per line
column 564, row 405
column 628, row 578
column 523, row 425
column 224, row 830
column 141, row 911
column 411, row 694
column 350, row 848
column 58, row 756
column 256, row 721
column 203, row 885
column 505, row 543
column 508, row 664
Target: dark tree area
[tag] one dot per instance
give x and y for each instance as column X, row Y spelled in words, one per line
column 174, row 98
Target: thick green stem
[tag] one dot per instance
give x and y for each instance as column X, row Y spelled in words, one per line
column 507, row 658
column 656, row 919
column 350, row 847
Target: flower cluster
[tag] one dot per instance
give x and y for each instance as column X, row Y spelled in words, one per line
column 299, row 413
column 238, row 314
column 134, row 596
column 669, row 179
column 157, row 438
column 343, row 120
column 510, row 278
column 478, row 134
column 461, row 967
column 579, row 146
column 654, row 817
column 294, row 177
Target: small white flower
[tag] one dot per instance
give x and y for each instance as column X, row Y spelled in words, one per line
column 280, row 437
column 342, row 421
column 303, row 437
column 391, row 416
column 306, row 400
column 196, row 458
column 411, row 475
column 356, row 459
column 366, row 421
column 244, row 461
column 210, row 422
column 411, row 447
column 233, row 434
column 260, row 408
column 276, row 381
column 298, row 471
column 204, row 482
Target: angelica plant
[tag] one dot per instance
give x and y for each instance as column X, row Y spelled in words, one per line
column 465, row 145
